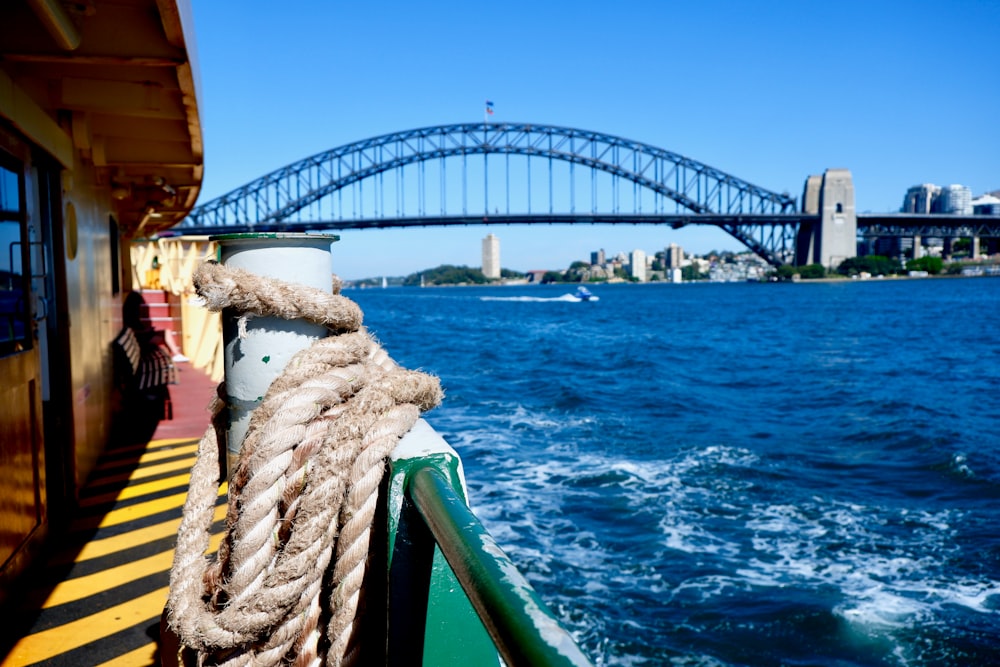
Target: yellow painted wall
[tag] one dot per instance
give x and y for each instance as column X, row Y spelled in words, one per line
column 178, row 257
column 94, row 313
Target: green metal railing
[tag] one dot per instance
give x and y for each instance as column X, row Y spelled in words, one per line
column 454, row 596
column 524, row 631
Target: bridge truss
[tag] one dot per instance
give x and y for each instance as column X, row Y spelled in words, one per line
column 927, row 225
column 508, row 173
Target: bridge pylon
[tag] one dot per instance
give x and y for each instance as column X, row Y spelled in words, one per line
column 833, row 237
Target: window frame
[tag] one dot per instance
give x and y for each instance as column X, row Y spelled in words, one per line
column 15, row 338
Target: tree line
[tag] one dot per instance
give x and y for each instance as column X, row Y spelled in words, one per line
column 875, row 265
column 449, row 274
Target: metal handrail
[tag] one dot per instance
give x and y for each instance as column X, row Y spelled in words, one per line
column 523, row 629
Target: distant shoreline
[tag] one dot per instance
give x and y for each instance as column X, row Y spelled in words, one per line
column 803, row 281
column 845, row 279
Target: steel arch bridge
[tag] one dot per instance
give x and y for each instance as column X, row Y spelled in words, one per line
column 402, row 179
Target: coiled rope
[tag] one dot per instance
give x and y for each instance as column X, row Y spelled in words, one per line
column 286, row 584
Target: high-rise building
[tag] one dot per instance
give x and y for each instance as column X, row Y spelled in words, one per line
column 637, row 265
column 597, row 258
column 491, row 256
column 921, row 199
column 956, row 199
column 673, row 256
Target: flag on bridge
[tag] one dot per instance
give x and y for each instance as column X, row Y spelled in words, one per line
column 489, row 107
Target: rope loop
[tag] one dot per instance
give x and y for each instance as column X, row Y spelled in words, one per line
column 286, row 584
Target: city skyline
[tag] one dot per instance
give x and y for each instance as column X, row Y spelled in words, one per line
column 711, row 82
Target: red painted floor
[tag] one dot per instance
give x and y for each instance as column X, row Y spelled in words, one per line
column 190, row 397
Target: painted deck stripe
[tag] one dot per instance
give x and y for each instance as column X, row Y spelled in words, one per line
column 145, row 472
column 165, row 442
column 47, row 644
column 124, row 515
column 78, row 588
column 109, row 545
column 140, row 656
column 135, row 498
column 151, row 455
column 139, row 490
column 140, row 449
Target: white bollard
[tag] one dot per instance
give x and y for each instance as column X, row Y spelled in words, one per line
column 254, row 361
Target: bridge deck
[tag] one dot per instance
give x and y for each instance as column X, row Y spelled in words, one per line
column 885, row 223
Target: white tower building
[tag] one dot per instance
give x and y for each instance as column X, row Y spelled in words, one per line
column 956, row 199
column 638, row 265
column 491, row 257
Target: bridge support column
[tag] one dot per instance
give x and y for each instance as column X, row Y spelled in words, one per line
column 974, row 249
column 834, row 237
column 805, row 248
column 918, row 250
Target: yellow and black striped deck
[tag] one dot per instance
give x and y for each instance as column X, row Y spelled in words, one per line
column 97, row 597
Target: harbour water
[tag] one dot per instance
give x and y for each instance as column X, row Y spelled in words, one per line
column 732, row 474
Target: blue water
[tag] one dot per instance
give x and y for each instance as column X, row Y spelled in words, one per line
column 732, row 474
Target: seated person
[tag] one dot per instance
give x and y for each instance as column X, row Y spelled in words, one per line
column 143, row 370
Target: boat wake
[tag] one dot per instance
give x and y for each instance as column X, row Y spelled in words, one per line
column 565, row 298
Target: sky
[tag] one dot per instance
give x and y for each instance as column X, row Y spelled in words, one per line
column 900, row 93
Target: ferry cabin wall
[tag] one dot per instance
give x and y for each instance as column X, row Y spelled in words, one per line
column 94, row 316
column 98, row 117
column 56, row 419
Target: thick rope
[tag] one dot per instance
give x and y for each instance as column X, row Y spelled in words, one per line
column 287, row 582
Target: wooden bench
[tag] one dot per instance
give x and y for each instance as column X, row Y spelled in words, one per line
column 145, row 370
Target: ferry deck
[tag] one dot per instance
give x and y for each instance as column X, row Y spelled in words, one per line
column 96, row 595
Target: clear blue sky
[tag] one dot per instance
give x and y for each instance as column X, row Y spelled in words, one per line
column 900, row 93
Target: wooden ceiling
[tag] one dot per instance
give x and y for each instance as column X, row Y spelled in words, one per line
column 119, row 78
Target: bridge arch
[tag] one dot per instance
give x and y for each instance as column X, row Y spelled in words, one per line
column 276, row 200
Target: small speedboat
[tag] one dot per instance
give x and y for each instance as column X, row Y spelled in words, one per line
column 584, row 294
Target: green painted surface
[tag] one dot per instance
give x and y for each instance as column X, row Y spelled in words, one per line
column 521, row 626
column 453, row 633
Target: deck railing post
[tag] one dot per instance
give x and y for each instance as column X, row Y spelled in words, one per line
column 257, row 349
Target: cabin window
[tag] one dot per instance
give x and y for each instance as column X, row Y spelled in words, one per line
column 840, row 207
column 14, row 282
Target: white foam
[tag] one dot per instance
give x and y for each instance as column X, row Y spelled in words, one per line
column 888, row 567
column 696, row 661
column 978, row 596
column 960, row 464
column 878, row 607
column 565, row 298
